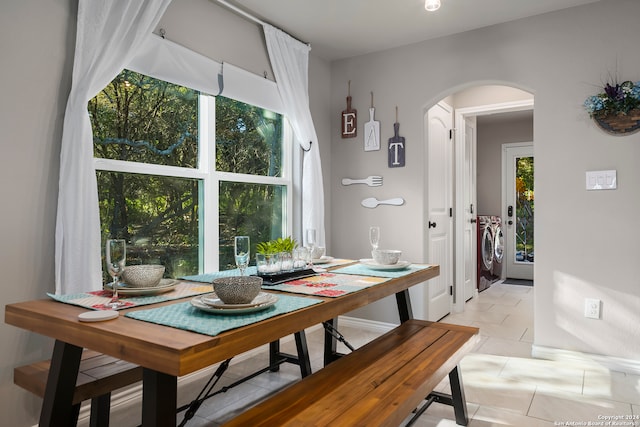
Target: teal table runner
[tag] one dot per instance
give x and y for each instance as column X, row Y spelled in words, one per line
column 98, row 300
column 187, row 317
column 329, row 284
column 363, row 270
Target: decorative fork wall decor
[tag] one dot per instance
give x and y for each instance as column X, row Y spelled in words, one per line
column 371, row 181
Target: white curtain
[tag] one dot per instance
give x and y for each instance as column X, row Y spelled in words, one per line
column 108, row 34
column 290, row 63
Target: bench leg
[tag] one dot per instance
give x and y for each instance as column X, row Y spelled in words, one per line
column 457, row 395
column 456, row 399
column 100, row 411
column 57, row 407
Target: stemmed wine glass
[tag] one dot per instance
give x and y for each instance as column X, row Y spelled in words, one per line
column 116, row 256
column 374, row 236
column 311, row 241
column 241, row 247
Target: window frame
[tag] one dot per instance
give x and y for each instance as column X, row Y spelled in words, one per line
column 210, row 178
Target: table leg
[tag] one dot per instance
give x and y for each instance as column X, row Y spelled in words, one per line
column 159, row 398
column 303, row 354
column 302, row 359
column 274, row 355
column 403, row 301
column 57, row 408
column 331, row 343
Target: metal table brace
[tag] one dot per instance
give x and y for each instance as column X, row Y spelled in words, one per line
column 276, row 358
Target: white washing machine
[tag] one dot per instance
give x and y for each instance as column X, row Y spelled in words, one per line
column 485, row 252
column 498, row 247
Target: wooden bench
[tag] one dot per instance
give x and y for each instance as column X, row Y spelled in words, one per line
column 98, row 376
column 379, row 384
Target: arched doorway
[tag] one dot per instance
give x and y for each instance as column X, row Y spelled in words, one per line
column 475, row 164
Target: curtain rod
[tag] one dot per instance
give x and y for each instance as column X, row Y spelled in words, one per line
column 253, row 18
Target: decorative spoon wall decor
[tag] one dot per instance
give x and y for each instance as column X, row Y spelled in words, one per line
column 372, row 202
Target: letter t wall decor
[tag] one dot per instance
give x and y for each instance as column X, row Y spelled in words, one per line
column 396, row 146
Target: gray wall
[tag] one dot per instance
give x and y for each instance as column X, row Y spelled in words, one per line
column 493, row 131
column 585, row 241
column 35, row 77
column 37, row 47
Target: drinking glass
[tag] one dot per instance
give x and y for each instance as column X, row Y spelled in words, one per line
column 241, row 247
column 374, row 236
column 116, row 256
column 300, row 257
column 311, row 242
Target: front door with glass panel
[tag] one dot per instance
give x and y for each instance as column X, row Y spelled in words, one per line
column 518, row 214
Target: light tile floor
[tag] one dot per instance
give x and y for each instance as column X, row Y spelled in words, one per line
column 504, row 386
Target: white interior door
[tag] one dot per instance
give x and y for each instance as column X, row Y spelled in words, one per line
column 518, row 214
column 470, row 241
column 439, row 240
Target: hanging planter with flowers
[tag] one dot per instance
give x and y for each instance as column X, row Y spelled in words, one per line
column 617, row 109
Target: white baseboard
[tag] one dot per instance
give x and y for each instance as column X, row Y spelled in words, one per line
column 629, row 366
column 364, row 324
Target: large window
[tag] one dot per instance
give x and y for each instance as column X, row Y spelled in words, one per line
column 180, row 173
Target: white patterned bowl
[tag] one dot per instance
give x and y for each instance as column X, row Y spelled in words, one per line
column 386, row 256
column 142, row 276
column 318, row 252
column 237, row 289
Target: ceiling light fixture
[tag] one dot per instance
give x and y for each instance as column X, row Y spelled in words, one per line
column 432, row 5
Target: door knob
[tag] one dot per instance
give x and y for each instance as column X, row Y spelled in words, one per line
column 474, row 220
column 432, row 224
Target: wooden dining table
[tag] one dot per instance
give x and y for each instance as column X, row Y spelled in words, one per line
column 166, row 353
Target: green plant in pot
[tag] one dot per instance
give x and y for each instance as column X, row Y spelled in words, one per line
column 276, row 246
column 275, row 255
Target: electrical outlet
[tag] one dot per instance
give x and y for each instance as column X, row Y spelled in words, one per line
column 592, row 308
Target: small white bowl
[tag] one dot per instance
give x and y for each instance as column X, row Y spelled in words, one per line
column 318, row 252
column 386, row 256
column 237, row 289
column 142, row 276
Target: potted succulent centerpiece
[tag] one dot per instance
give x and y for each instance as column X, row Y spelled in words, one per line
column 617, row 109
column 275, row 255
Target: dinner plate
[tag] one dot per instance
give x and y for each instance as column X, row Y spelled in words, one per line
column 370, row 263
column 323, row 260
column 165, row 285
column 213, row 301
column 268, row 301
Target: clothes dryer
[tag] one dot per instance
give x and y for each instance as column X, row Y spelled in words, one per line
column 498, row 247
column 485, row 252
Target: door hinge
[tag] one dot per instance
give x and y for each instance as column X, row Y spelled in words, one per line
column 451, row 290
column 451, row 212
column 450, row 133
